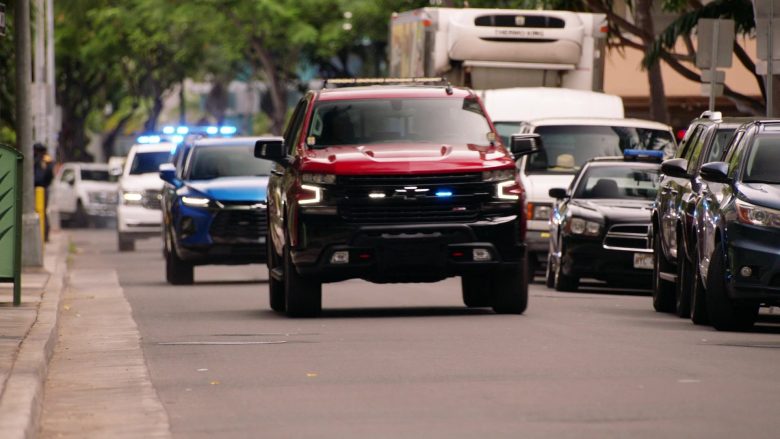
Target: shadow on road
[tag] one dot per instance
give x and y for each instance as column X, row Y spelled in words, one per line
column 403, row 312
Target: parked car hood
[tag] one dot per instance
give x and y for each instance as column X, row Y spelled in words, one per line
column 762, row 194
column 405, row 158
column 616, row 210
column 232, row 188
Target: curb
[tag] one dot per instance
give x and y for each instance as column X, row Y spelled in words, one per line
column 22, row 401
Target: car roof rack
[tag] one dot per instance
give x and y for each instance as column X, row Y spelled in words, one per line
column 354, row 82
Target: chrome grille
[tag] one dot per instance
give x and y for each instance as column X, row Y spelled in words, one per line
column 152, row 199
column 629, row 237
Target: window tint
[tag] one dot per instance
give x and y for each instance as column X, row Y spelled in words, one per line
column 68, row 175
column 506, row 129
column 147, row 162
column 618, row 182
column 735, row 153
column 690, row 138
column 718, row 146
column 763, row 160
column 293, row 131
column 209, row 162
column 95, row 175
column 695, row 150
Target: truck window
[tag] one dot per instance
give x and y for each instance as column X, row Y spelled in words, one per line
column 146, row 162
column 384, row 121
column 568, row 147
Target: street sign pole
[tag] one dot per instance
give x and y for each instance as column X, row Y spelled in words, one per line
column 713, row 63
column 769, row 66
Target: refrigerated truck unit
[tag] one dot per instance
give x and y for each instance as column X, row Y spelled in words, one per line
column 499, row 48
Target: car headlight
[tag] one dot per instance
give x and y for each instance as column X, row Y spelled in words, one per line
column 318, row 178
column 756, row 215
column 132, row 198
column 539, row 211
column 579, row 226
column 195, row 201
column 499, row 175
column 309, row 194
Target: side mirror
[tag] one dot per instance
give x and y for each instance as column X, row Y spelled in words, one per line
column 677, row 168
column 524, row 144
column 168, row 174
column 272, row 148
column 717, row 172
column 558, row 193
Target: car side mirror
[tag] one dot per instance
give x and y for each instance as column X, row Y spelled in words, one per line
column 717, row 172
column 524, row 144
column 677, row 168
column 168, row 174
column 557, row 193
column 272, row 148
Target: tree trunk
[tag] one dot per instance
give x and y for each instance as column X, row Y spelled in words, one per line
column 643, row 18
column 154, row 114
column 110, row 139
column 73, row 139
column 182, row 104
column 276, row 88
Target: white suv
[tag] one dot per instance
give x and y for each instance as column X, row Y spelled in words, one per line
column 83, row 194
column 140, row 188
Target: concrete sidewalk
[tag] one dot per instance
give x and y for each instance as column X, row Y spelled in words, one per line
column 28, row 335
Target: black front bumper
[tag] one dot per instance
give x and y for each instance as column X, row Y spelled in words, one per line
column 407, row 252
column 223, row 254
column 759, row 249
column 584, row 257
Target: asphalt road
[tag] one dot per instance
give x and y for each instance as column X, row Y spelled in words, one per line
column 408, row 360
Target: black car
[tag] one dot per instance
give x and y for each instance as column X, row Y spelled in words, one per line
column 680, row 189
column 600, row 227
column 738, row 230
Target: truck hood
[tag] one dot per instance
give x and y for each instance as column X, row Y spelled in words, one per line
column 762, row 194
column 232, row 188
column 405, row 158
column 141, row 182
column 537, row 186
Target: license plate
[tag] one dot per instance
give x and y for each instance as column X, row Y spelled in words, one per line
column 643, row 261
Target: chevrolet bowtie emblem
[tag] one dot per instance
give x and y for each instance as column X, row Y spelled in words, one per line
column 410, row 191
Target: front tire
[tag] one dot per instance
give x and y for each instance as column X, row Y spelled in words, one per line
column 510, row 289
column 178, row 271
column 549, row 278
column 682, row 291
column 726, row 314
column 276, row 297
column 698, row 297
column 562, row 281
column 663, row 291
column 125, row 243
column 476, row 291
column 303, row 296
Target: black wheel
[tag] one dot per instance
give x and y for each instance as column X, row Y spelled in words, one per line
column 562, row 281
column 275, row 287
column 698, row 299
column 125, row 243
column 303, row 296
column 663, row 291
column 682, row 291
column 177, row 271
column 510, row 289
column 725, row 314
column 80, row 218
column 476, row 291
column 549, row 276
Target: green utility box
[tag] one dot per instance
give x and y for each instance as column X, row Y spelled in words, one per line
column 11, row 218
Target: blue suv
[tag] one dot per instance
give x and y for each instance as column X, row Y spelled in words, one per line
column 214, row 207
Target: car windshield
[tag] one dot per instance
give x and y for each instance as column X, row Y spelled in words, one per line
column 214, row 161
column 620, row 182
column 378, row 121
column 568, row 147
column 147, row 162
column 763, row 160
column 95, row 175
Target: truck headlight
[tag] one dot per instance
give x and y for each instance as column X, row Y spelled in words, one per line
column 539, row 211
column 579, row 226
column 309, row 194
column 195, row 201
column 508, row 190
column 132, row 198
column 757, row 215
column 499, row 175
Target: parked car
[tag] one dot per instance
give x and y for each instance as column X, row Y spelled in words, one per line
column 680, row 190
column 140, row 191
column 83, row 194
column 214, row 207
column 395, row 183
column 569, row 143
column 737, row 225
column 600, row 227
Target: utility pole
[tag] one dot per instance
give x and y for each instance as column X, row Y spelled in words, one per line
column 32, row 248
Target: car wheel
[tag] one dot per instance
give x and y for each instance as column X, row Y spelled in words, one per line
column 510, row 289
column 724, row 313
column 698, row 299
column 276, row 297
column 476, row 291
column 303, row 296
column 682, row 291
column 125, row 243
column 562, row 281
column 178, row 271
column 663, row 291
column 80, row 218
column 549, row 277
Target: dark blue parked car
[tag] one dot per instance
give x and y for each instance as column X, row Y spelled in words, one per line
column 214, row 207
column 738, row 230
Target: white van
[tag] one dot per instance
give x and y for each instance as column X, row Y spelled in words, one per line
column 508, row 107
column 568, row 144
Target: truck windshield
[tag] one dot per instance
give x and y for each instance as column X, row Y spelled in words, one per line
column 95, row 175
column 379, row 121
column 147, row 162
column 214, row 161
column 568, row 147
column 618, row 182
column 763, row 160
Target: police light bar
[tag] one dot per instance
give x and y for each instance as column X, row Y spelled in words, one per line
column 643, row 154
column 182, row 130
column 148, row 139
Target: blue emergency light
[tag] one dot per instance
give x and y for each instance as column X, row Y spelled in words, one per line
column 643, row 154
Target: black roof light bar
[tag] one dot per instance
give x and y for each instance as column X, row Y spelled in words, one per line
column 353, row 82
